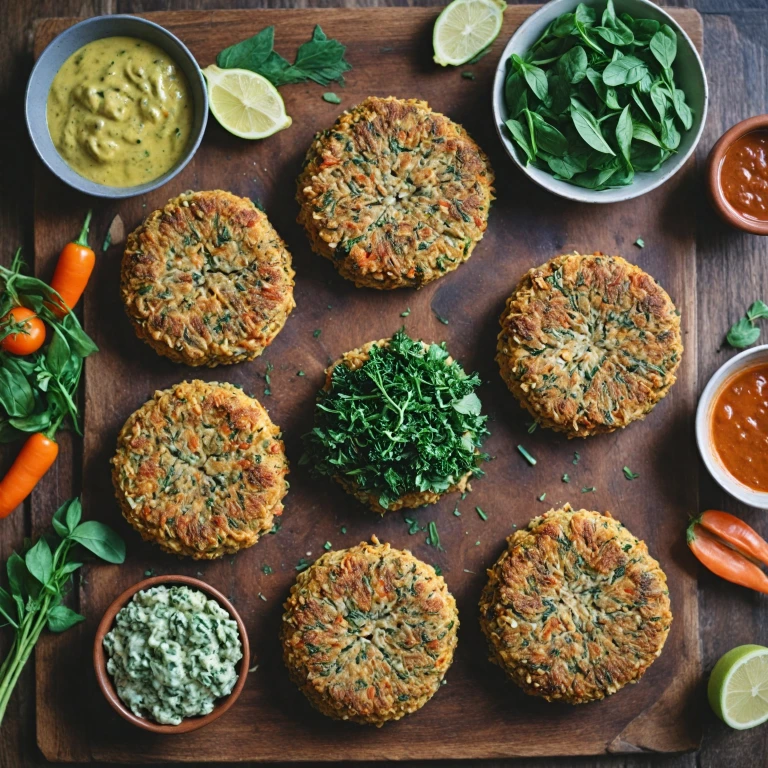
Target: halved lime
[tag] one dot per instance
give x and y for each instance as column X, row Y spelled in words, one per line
column 245, row 103
column 738, row 687
column 464, row 28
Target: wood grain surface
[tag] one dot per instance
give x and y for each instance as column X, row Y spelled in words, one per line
column 731, row 274
column 477, row 714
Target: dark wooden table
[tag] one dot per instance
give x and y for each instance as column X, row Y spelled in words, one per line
column 732, row 271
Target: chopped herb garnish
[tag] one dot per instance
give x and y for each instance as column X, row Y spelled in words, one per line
column 302, row 564
column 482, row 514
column 268, row 388
column 629, row 474
column 331, row 98
column 267, row 570
column 588, row 489
column 413, row 526
column 261, row 597
column 405, row 421
column 542, row 497
column 327, row 546
column 317, row 332
column 566, row 478
column 467, row 75
column 107, row 241
column 442, row 319
column 300, row 373
column 527, row 456
column 576, row 457
column 149, row 572
column 406, row 313
column 433, row 539
column 640, row 243
column 456, row 512
column 438, row 570
column 532, row 427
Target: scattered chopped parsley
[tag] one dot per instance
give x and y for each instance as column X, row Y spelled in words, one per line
column 442, row 319
column 532, row 427
column 302, row 565
column 406, row 313
column 640, row 243
column 261, row 597
column 542, row 497
column 343, row 528
column 300, row 373
column 467, row 75
column 267, row 570
column 413, row 526
column 527, row 456
column 327, row 546
column 317, row 332
column 629, row 474
column 576, row 457
column 482, row 514
column 107, row 241
column 566, row 478
column 268, row 388
column 149, row 572
column 331, row 98
column 588, row 489
column 456, row 512
column 405, row 421
column 438, row 570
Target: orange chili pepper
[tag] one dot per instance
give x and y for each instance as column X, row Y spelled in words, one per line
column 724, row 561
column 35, row 458
column 737, row 533
column 73, row 270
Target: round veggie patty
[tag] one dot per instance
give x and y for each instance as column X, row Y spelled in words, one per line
column 206, row 280
column 397, row 424
column 395, row 195
column 589, row 344
column 368, row 633
column 200, row 469
column 575, row 608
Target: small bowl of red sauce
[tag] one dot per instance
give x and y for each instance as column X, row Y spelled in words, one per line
column 732, row 426
column 738, row 175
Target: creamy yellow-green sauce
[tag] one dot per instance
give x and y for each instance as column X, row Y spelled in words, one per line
column 120, row 111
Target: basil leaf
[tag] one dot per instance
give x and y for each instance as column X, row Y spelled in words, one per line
column 39, row 561
column 643, row 132
column 9, row 610
column 572, row 66
column 758, row 310
column 16, row 395
column 646, row 157
column 624, row 132
column 547, row 137
column 625, row 70
column 596, row 179
column 61, row 618
column 248, row 54
column 663, row 46
column 80, row 342
column 682, row 109
column 743, row 334
column 36, row 422
column 321, row 59
column 588, row 128
column 58, row 354
column 101, row 540
column 67, row 516
column 519, row 135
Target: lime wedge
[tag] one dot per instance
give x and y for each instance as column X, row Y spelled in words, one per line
column 245, row 103
column 738, row 687
column 464, row 28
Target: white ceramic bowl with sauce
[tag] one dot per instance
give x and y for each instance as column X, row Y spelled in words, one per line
column 741, row 362
column 690, row 77
column 71, row 40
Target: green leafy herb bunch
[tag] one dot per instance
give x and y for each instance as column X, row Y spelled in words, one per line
column 38, row 578
column 594, row 102
column 407, row 420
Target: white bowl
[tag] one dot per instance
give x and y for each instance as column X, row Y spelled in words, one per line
column 689, row 75
column 747, row 359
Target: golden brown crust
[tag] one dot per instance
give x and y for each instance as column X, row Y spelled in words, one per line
column 575, row 608
column 354, row 359
column 200, row 470
column 589, row 344
column 395, row 195
column 206, row 280
column 368, row 633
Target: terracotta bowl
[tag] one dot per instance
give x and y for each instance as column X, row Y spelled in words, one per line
column 108, row 687
column 716, row 156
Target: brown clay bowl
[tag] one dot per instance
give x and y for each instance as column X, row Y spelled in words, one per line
column 105, row 681
column 729, row 214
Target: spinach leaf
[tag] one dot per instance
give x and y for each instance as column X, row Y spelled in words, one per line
column 624, row 132
column 535, row 77
column 572, row 65
column 521, row 137
column 682, row 109
column 588, row 128
column 248, row 54
column 743, row 334
column 546, row 136
column 663, row 46
column 625, row 70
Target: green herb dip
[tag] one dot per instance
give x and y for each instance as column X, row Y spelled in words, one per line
column 120, row 111
column 172, row 653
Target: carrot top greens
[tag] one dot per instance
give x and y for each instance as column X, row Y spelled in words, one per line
column 407, row 420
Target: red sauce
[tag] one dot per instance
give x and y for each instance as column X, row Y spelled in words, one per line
column 744, row 175
column 740, row 427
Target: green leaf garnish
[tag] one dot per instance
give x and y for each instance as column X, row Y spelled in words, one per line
column 527, row 456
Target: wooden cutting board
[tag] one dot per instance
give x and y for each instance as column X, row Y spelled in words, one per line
column 477, row 713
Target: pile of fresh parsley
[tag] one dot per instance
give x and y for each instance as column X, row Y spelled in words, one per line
column 320, row 59
column 593, row 103
column 407, row 420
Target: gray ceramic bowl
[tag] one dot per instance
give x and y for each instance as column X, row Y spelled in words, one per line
column 71, row 40
column 689, row 75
